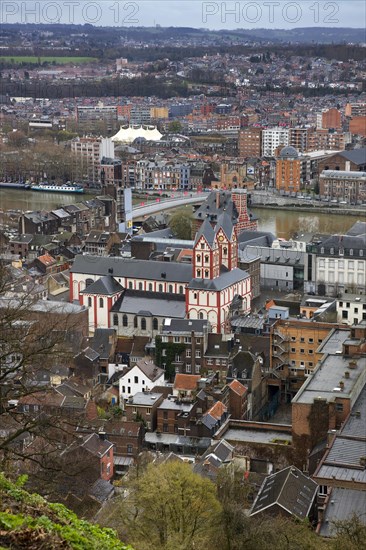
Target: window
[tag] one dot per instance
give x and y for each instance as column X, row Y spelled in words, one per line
column 200, row 316
column 101, row 302
column 293, row 350
column 177, row 358
column 143, row 323
column 165, row 428
column 163, row 352
column 302, row 351
column 165, row 415
column 188, row 353
column 202, row 246
column 160, row 288
column 198, row 353
column 206, row 273
column 197, row 369
column 188, row 367
column 129, row 449
column 89, row 302
column 339, row 407
column 130, row 285
column 125, row 320
column 198, row 257
column 225, row 251
column 302, row 339
column 170, row 288
column 195, row 295
column 181, row 289
column 207, row 259
column 155, row 324
column 311, row 351
column 150, row 287
column 136, row 379
column 344, row 314
column 198, row 273
column 135, row 322
column 311, row 340
column 115, row 319
column 293, row 338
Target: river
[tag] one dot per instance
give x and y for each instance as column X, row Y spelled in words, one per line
column 282, row 223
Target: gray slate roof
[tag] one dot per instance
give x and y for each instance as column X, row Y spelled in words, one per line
column 206, row 230
column 288, row 489
column 150, row 304
column 223, row 281
column 106, row 286
column 138, row 269
column 358, row 156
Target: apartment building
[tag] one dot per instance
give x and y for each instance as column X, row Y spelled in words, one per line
column 342, row 186
column 351, row 309
column 288, row 171
column 272, row 138
column 89, row 115
column 250, row 142
column 294, row 351
column 166, row 175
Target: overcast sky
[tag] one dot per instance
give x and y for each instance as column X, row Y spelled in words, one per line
column 189, row 13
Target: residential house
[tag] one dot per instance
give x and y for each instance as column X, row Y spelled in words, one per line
column 142, row 407
column 141, row 377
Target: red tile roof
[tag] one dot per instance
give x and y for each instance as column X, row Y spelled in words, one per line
column 217, row 410
column 237, row 387
column 186, row 381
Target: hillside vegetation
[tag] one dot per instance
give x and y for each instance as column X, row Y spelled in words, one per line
column 28, row 521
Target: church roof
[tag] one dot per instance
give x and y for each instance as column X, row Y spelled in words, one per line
column 206, row 230
column 224, row 222
column 219, row 283
column 107, row 286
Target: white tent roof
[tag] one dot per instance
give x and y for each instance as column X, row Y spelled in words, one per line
column 129, row 134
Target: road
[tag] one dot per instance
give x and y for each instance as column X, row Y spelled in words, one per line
column 158, row 205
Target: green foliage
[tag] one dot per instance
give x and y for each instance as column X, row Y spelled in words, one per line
column 181, row 224
column 171, row 350
column 29, row 515
column 170, row 508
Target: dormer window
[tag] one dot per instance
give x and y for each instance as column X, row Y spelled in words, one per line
column 202, row 246
column 332, row 250
column 322, row 250
column 351, row 252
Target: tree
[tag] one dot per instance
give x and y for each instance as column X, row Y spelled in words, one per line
column 174, row 127
column 32, row 345
column 170, row 508
column 181, row 224
column 350, row 533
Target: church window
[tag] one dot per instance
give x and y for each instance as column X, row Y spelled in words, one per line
column 101, row 302
column 143, row 323
column 207, row 259
column 206, row 272
column 89, row 302
column 140, row 286
column 170, row 288
column 198, row 257
column 202, row 246
column 225, row 250
column 115, row 319
column 125, row 320
column 155, row 324
column 198, row 273
column 135, row 322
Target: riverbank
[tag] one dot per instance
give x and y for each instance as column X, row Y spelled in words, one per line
column 350, row 211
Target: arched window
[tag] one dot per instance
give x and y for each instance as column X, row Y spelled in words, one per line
column 89, row 302
column 88, row 282
column 181, row 290
column 200, row 316
column 160, row 288
column 225, row 250
column 170, row 288
column 143, row 323
column 135, row 322
column 115, row 319
column 198, row 273
column 207, row 259
column 130, row 285
column 198, row 257
column 155, row 324
column 140, row 286
column 101, row 302
column 206, row 272
column 150, row 287
column 125, row 320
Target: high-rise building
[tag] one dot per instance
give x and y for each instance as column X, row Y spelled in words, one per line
column 331, row 119
column 273, row 138
column 288, row 171
column 250, row 142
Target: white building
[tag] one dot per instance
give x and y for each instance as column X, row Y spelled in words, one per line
column 273, row 138
column 351, row 309
column 141, row 377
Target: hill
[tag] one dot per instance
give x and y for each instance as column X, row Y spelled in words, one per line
column 28, row 521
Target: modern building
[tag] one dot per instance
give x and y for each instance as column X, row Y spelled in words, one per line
column 250, row 142
column 288, row 171
column 272, row 138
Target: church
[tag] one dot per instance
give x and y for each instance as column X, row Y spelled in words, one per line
column 135, row 296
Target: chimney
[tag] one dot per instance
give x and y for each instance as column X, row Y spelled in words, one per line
column 346, row 374
column 102, row 435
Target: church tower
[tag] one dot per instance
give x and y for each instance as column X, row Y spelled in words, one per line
column 206, row 253
column 227, row 242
